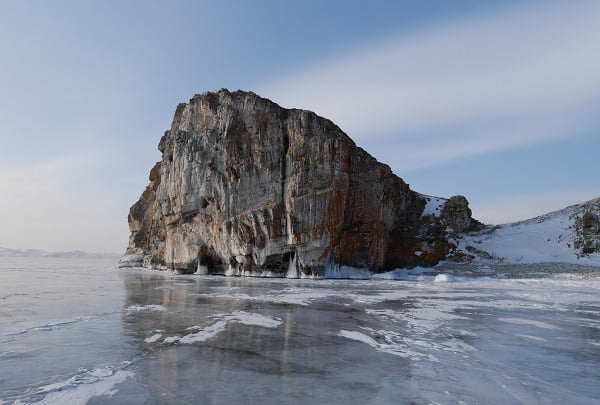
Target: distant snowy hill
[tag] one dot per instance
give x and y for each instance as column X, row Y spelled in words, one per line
column 570, row 235
column 75, row 254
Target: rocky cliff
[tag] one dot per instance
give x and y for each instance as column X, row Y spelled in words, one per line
column 246, row 187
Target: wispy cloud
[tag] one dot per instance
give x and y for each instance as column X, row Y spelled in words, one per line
column 532, row 69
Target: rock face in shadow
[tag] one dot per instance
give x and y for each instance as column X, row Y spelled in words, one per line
column 246, row 187
column 587, row 229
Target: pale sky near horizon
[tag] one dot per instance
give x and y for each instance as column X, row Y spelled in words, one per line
column 494, row 100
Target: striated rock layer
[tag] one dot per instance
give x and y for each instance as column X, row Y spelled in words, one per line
column 246, row 187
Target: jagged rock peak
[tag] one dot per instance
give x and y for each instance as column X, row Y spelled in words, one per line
column 246, row 187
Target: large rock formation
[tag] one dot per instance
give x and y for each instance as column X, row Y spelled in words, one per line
column 248, row 187
column 569, row 235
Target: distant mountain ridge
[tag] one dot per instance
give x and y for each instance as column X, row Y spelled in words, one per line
column 73, row 254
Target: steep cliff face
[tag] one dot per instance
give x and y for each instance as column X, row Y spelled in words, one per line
column 246, row 187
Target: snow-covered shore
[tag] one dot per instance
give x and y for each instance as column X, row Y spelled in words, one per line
column 557, row 237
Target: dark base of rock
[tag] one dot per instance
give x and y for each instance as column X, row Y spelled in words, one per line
column 291, row 270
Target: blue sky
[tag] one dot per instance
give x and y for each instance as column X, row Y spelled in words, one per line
column 496, row 101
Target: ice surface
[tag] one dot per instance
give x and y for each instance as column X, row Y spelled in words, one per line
column 415, row 274
column 247, row 318
column 397, row 338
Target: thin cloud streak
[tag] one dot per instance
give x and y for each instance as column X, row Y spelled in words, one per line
column 519, row 66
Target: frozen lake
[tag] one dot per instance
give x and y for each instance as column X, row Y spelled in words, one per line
column 81, row 331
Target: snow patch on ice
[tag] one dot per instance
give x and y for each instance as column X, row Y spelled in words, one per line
column 420, row 320
column 531, row 322
column 443, row 278
column 359, row 337
column 208, row 332
column 146, row 308
column 203, row 335
column 398, row 344
column 390, row 348
column 172, row 339
column 247, row 318
column 530, row 337
column 153, row 338
column 424, row 328
column 78, row 390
